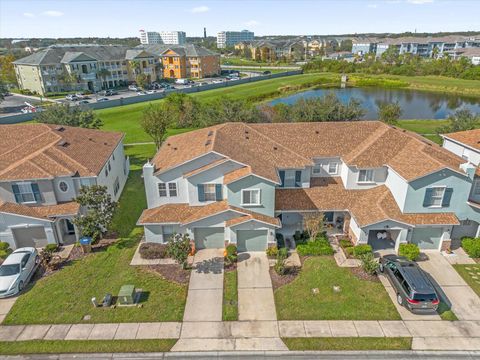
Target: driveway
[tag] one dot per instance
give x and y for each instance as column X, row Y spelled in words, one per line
column 205, row 290
column 464, row 302
column 255, row 293
column 5, row 306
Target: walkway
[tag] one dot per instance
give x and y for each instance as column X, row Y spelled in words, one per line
column 464, row 301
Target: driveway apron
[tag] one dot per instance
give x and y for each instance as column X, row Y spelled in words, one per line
column 205, row 290
column 255, row 293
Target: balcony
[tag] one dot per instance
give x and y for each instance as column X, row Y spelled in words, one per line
column 147, row 71
column 88, row 76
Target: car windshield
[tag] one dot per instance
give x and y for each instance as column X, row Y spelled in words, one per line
column 424, row 297
column 9, row 270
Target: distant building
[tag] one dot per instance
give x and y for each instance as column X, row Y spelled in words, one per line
column 273, row 50
column 473, row 54
column 163, row 37
column 230, row 38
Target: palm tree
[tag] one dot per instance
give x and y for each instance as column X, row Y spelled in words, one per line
column 68, row 78
column 102, row 74
column 135, row 65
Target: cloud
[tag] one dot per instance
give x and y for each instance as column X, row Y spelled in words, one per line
column 52, row 13
column 29, row 15
column 419, row 2
column 200, row 9
column 252, row 23
column 372, row 6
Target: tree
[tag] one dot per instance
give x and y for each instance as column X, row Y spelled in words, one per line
column 64, row 114
column 142, row 80
column 135, row 65
column 178, row 247
column 97, row 211
column 68, row 79
column 389, row 113
column 462, row 120
column 7, row 71
column 155, row 122
column 184, row 109
column 102, row 74
column 3, row 91
column 225, row 109
column 314, row 223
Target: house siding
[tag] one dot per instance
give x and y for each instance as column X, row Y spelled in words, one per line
column 9, row 221
column 117, row 171
column 458, row 149
column 398, row 187
column 267, row 194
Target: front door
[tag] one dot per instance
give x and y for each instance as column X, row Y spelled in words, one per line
column 69, row 226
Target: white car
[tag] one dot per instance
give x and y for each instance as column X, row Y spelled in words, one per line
column 218, row 81
column 102, row 99
column 16, row 270
column 71, row 97
column 141, row 93
column 133, row 88
column 151, row 91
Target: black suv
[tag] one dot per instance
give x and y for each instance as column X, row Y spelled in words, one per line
column 414, row 289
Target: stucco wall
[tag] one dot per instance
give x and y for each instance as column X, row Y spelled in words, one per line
column 45, row 187
column 349, row 175
column 460, row 150
column 118, row 170
column 324, row 165
column 398, row 187
column 267, row 194
column 7, row 221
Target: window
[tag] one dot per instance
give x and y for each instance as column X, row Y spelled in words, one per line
column 162, row 189
column 172, row 189
column 365, row 176
column 210, row 193
column 109, row 167
column 317, row 168
column 63, row 186
column 436, row 197
column 251, row 197
column 168, row 232
column 113, row 156
column 116, row 186
column 85, row 182
column 332, row 168
column 26, row 193
column 106, row 171
column 476, row 188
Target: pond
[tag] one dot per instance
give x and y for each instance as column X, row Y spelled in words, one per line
column 414, row 104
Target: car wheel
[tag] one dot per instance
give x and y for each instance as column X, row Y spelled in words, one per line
column 399, row 300
column 20, row 286
column 381, row 267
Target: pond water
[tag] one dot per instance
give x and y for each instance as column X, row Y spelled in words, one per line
column 415, row 104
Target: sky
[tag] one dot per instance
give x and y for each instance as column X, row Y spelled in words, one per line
column 124, row 18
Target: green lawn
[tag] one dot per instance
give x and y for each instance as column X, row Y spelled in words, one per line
column 467, row 272
column 348, row 343
column 64, row 297
column 357, row 300
column 260, row 69
column 230, row 296
column 84, row 346
column 238, row 61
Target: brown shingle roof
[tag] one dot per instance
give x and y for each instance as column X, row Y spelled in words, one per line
column 268, row 147
column 236, row 174
column 46, row 212
column 470, row 137
column 185, row 214
column 368, row 206
column 34, row 151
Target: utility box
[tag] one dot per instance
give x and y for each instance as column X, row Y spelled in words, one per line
column 126, row 296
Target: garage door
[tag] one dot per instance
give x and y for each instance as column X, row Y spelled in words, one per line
column 31, row 236
column 428, row 238
column 209, row 238
column 251, row 240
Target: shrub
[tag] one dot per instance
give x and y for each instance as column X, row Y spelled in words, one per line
column 272, row 251
column 4, row 249
column 153, row 251
column 51, row 248
column 230, row 254
column 315, row 248
column 345, row 243
column 349, row 251
column 471, row 246
column 410, row 251
column 360, row 250
column 300, row 237
column 178, row 247
column 280, row 267
column 280, row 240
column 369, row 264
column 4, row 245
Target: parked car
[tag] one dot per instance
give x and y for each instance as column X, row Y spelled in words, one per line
column 182, row 81
column 414, row 289
column 108, row 92
column 141, row 93
column 217, row 81
column 83, row 102
column 267, row 72
column 71, row 97
column 31, row 109
column 133, row 88
column 102, row 99
column 16, row 270
column 203, row 83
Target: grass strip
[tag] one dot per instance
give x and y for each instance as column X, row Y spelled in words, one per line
column 230, row 296
column 348, row 343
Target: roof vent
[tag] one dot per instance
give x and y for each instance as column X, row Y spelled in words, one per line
column 208, row 142
column 60, row 128
column 246, row 137
column 317, row 132
column 246, row 131
column 210, row 133
column 90, row 139
column 105, row 143
column 63, row 143
column 175, row 148
column 168, row 144
column 275, row 148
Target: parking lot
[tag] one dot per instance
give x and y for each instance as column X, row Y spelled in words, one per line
column 15, row 103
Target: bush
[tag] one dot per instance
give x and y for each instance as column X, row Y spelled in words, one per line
column 349, row 251
column 410, row 251
column 4, row 245
column 230, row 254
column 272, row 251
column 369, row 264
column 51, row 248
column 4, row 250
column 280, row 240
column 315, row 248
column 360, row 250
column 153, row 251
column 178, row 247
column 345, row 243
column 471, row 246
column 280, row 267
column 300, row 237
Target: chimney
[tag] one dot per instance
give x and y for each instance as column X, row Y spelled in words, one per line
column 469, row 169
column 148, row 169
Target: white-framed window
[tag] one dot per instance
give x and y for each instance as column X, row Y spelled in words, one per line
column 162, row 189
column 317, row 168
column 172, row 189
column 210, row 192
column 168, row 232
column 251, row 197
column 332, row 168
column 116, row 186
column 109, row 166
column 365, row 176
column 63, row 186
column 24, row 193
column 436, row 198
column 85, row 182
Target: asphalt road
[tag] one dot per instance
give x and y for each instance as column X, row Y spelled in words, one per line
column 338, row 355
column 14, row 104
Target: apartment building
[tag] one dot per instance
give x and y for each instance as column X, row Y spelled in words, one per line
column 230, row 38
column 83, row 67
column 42, row 168
column 273, row 50
column 188, row 61
column 163, row 37
column 244, row 183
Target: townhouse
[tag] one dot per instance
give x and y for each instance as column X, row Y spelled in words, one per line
column 244, row 183
column 42, row 168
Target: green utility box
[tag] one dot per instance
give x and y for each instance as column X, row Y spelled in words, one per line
column 126, row 296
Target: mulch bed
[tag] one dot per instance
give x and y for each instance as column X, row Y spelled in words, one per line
column 280, row 280
column 361, row 274
column 231, row 267
column 173, row 273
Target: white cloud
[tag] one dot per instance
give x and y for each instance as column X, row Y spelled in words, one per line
column 52, row 13
column 200, row 9
column 419, row 2
column 29, row 15
column 252, row 23
column 372, row 6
